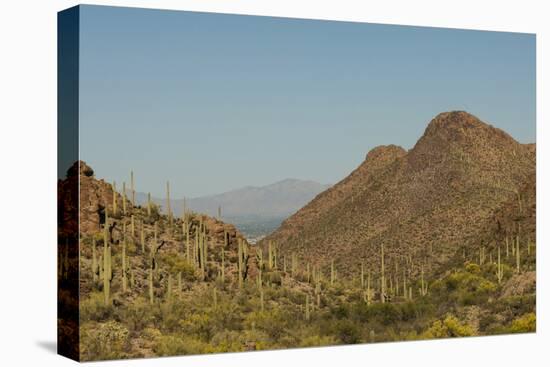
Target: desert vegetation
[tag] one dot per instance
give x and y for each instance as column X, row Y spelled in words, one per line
column 155, row 284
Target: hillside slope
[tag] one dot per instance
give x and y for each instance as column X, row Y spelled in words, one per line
column 428, row 201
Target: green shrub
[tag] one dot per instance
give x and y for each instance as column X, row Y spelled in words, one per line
column 448, row 328
column 100, row 341
column 524, row 324
column 93, row 308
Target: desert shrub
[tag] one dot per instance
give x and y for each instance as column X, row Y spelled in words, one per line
column 340, row 311
column 347, row 331
column 448, row 328
column 227, row 316
column 473, row 268
column 93, row 308
column 275, row 323
column 235, row 341
column 167, row 315
column 273, row 278
column 100, row 341
column 198, row 324
column 137, row 315
column 524, row 324
column 176, row 263
column 383, row 313
column 170, row 345
column 463, row 288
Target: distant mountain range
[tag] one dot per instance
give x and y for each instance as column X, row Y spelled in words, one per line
column 255, row 210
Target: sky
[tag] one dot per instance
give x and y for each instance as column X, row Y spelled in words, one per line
column 214, row 102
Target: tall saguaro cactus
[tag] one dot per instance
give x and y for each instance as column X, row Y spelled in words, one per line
column 307, row 307
column 132, row 187
column 362, row 275
column 270, row 254
column 240, row 263
column 518, row 256
column 124, row 278
column 222, row 270
column 124, row 197
column 95, row 266
column 382, row 275
column 423, row 284
column 168, row 207
column 142, row 239
column 151, row 289
column 113, row 187
column 107, row 269
column 499, row 267
column 149, row 204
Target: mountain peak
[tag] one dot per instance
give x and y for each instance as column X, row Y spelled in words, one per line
column 382, row 152
column 454, row 122
column 460, row 130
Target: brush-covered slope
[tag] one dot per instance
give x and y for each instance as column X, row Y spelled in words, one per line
column 429, row 200
column 137, row 228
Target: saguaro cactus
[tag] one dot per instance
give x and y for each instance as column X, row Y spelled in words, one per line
column 113, row 187
column 168, row 207
column 423, row 285
column 262, row 300
column 95, row 266
column 124, row 278
column 142, row 239
column 405, row 292
column 383, row 276
column 240, row 263
column 270, row 254
column 124, row 197
column 132, row 187
column 293, row 265
column 107, row 269
column 187, row 243
column 151, row 289
column 307, row 307
column 499, row 267
column 169, row 288
column 362, row 275
column 222, row 270
column 149, row 204
column 131, row 272
column 260, row 257
column 369, row 289
column 518, row 256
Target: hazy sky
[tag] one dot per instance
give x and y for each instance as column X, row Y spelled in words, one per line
column 215, row 102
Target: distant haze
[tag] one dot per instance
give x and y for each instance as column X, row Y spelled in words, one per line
column 255, row 210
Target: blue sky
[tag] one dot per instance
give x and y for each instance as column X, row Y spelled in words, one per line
column 214, row 102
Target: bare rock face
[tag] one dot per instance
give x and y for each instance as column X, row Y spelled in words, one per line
column 80, row 168
column 95, row 196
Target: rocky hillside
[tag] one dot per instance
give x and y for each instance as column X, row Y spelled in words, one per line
column 170, row 241
column 429, row 201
